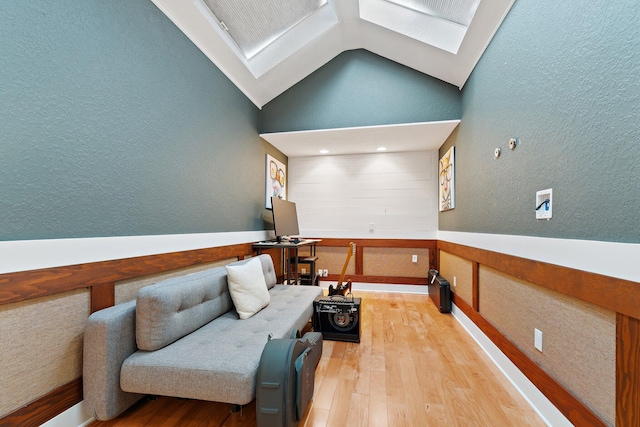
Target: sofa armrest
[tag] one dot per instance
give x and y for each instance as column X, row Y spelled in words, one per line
column 109, row 338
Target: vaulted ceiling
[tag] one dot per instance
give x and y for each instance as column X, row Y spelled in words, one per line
column 266, row 46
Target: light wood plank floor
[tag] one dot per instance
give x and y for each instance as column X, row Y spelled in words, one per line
column 413, row 367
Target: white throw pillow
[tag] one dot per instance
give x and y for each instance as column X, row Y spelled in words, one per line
column 248, row 288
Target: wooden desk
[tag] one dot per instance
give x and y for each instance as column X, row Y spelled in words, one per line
column 291, row 258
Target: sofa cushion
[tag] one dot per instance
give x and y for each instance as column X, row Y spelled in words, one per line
column 247, row 287
column 173, row 308
column 267, row 268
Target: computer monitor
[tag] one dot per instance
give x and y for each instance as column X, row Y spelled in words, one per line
column 285, row 218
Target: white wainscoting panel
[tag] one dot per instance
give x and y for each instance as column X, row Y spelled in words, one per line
column 608, row 258
column 340, row 196
column 22, row 255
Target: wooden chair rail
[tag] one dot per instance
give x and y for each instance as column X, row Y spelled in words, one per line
column 379, row 243
column 380, row 279
column 619, row 295
column 26, row 285
column 627, row 371
column 361, row 244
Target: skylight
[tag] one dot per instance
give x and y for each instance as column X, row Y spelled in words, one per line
column 254, row 25
column 271, row 45
column 439, row 23
column 458, row 11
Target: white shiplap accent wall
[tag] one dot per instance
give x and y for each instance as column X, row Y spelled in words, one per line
column 339, row 196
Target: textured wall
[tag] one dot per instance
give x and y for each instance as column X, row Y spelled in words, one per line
column 333, row 258
column 41, row 346
column 568, row 85
column 395, row 262
column 113, row 123
column 579, row 339
column 462, row 269
column 359, row 88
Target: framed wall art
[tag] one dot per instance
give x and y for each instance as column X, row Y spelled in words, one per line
column 276, row 180
column 446, row 171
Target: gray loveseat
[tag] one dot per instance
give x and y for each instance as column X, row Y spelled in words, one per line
column 190, row 341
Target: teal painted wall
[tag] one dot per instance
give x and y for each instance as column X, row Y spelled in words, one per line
column 113, row 123
column 564, row 77
column 359, row 88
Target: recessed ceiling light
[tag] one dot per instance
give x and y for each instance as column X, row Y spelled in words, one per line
column 381, row 149
column 324, row 151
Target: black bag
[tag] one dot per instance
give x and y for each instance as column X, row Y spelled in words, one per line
column 439, row 291
column 286, row 379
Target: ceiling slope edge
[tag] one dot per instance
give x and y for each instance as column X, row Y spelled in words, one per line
column 401, row 137
column 350, row 33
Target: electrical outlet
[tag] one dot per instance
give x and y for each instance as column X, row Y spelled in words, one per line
column 544, row 204
column 325, row 272
column 303, row 271
column 414, row 258
column 454, row 282
column 372, row 226
column 537, row 339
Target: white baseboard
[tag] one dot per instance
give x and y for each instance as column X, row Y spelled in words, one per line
column 77, row 415
column 381, row 287
column 538, row 401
